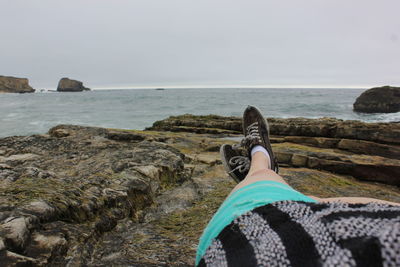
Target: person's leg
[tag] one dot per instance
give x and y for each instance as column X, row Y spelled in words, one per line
column 263, row 162
column 259, row 171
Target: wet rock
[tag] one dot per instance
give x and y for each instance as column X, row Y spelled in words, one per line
column 15, row 85
column 385, row 99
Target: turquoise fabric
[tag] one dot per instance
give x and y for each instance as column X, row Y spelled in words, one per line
column 243, row 200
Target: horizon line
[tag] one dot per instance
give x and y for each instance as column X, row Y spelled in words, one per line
column 235, row 86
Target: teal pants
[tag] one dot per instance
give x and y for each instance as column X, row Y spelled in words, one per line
column 243, row 200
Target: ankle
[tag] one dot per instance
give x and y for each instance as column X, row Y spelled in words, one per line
column 261, row 153
column 257, row 173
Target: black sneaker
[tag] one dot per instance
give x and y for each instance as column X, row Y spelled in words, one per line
column 256, row 132
column 236, row 165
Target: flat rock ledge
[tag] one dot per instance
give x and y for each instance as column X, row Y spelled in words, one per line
column 89, row 196
column 368, row 151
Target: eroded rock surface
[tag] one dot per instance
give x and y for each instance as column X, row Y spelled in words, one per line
column 15, row 85
column 58, row 194
column 87, row 196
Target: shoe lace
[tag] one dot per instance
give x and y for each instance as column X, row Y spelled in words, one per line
column 241, row 164
column 253, row 136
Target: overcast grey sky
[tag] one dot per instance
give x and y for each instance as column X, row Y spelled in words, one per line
column 132, row 43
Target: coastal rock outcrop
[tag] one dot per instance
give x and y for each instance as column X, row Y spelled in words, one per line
column 315, row 143
column 15, row 85
column 385, row 99
column 89, row 196
column 68, row 85
column 324, row 127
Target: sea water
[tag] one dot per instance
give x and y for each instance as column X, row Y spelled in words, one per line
column 25, row 114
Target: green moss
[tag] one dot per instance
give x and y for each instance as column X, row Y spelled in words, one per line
column 25, row 190
column 325, row 184
column 293, row 146
column 191, row 222
column 339, row 181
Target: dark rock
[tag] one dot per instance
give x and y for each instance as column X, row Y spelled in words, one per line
column 385, row 99
column 120, row 135
column 68, row 85
column 15, row 85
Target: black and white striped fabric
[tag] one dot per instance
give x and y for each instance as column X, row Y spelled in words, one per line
column 290, row 233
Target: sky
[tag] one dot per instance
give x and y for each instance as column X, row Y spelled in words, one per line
column 202, row 43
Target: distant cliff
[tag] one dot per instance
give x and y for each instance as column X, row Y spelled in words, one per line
column 15, row 85
column 68, row 85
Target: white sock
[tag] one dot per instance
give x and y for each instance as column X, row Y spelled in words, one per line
column 263, row 150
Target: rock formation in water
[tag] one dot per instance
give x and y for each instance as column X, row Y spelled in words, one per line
column 68, row 85
column 385, row 99
column 87, row 196
column 15, row 85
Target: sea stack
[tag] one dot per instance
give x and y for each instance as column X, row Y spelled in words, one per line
column 15, row 85
column 385, row 99
column 68, row 85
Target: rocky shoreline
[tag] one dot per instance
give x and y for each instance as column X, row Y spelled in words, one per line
column 89, row 196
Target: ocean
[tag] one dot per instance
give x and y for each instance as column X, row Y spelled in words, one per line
column 25, row 114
